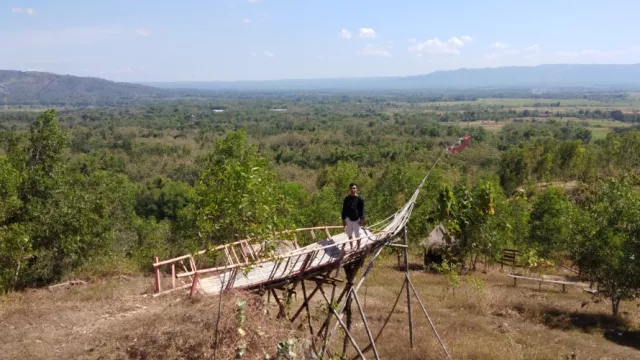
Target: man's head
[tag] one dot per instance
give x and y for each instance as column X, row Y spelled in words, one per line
column 353, row 188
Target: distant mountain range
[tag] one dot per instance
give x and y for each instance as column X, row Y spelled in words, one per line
column 39, row 88
column 546, row 76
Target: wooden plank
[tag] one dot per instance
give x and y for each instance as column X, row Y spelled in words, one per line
column 561, row 282
column 326, row 231
column 313, row 235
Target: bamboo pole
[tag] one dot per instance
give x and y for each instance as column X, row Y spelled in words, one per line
column 388, row 316
column 406, row 274
column 215, row 341
column 306, row 306
column 429, row 318
column 173, row 275
column 156, row 273
column 366, row 325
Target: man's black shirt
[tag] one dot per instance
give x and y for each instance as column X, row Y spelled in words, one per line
column 353, row 208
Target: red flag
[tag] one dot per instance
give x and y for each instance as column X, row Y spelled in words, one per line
column 462, row 143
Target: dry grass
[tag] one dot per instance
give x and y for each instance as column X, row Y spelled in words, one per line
column 113, row 320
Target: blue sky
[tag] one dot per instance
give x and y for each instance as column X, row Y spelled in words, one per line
column 197, row 40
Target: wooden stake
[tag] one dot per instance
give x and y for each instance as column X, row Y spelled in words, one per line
column 173, row 275
column 156, row 273
column 406, row 274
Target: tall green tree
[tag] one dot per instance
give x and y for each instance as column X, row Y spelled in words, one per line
column 549, row 223
column 607, row 241
column 237, row 196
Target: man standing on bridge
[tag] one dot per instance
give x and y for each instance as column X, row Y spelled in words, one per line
column 353, row 212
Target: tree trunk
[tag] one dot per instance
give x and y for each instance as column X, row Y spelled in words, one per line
column 615, row 303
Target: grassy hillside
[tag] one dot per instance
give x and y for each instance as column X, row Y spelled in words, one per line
column 486, row 318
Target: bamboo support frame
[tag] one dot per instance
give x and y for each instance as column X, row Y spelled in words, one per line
column 307, row 257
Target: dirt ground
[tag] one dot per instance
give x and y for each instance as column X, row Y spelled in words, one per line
column 486, row 317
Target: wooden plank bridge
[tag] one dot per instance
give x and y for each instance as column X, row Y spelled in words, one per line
column 249, row 266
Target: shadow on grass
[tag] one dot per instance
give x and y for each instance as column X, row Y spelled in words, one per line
column 615, row 329
column 412, row 267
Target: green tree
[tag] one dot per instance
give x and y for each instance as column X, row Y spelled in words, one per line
column 607, row 245
column 236, row 197
column 549, row 232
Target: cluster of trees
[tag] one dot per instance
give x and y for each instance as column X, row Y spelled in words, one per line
column 599, row 231
column 126, row 184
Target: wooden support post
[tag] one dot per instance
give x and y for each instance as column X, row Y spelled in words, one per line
column 281, row 311
column 366, row 325
column 406, row 274
column 350, row 271
column 348, row 335
column 194, row 284
column 428, row 318
column 306, row 305
column 330, row 303
column 384, row 324
column 306, row 300
column 156, row 273
column 514, row 281
column 173, row 275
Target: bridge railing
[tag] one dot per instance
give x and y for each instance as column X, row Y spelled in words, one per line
column 236, row 254
column 291, row 264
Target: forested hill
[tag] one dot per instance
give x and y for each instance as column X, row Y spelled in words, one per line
column 40, row 88
column 542, row 76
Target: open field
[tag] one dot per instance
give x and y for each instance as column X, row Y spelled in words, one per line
column 518, row 103
column 599, row 128
column 113, row 319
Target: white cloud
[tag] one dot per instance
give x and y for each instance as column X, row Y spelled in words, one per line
column 253, row 54
column 245, row 21
column 366, row 33
column 456, row 42
column 28, row 11
column 413, row 40
column 435, row 46
column 532, row 48
column 374, row 50
column 345, row 34
column 269, row 54
column 143, row 32
column 499, row 45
